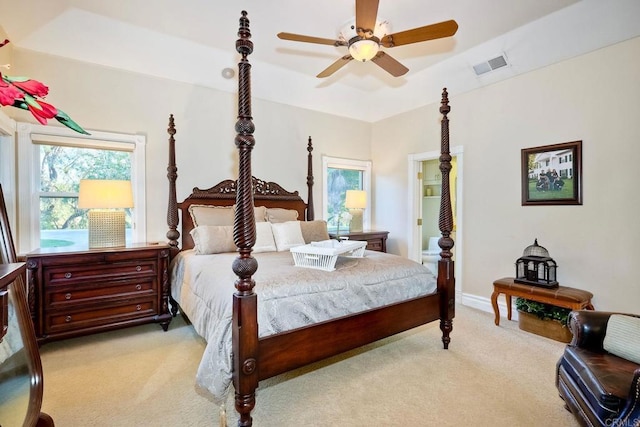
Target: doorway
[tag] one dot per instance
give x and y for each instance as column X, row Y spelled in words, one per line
column 425, row 187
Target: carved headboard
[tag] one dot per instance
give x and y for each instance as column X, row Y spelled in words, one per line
column 265, row 193
column 268, row 194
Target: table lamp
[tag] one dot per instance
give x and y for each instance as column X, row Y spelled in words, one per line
column 356, row 202
column 106, row 200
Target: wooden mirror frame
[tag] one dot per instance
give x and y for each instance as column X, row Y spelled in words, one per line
column 12, row 276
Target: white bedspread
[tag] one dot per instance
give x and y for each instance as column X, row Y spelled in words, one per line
column 288, row 297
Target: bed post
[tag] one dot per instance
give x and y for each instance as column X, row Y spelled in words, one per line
column 172, row 174
column 446, row 279
column 245, row 308
column 310, row 208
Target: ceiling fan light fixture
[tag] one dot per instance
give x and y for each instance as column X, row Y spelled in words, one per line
column 364, row 50
column 366, row 32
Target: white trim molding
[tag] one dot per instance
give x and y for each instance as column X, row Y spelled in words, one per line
column 8, row 169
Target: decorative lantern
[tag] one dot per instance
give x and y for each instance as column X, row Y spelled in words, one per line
column 536, row 267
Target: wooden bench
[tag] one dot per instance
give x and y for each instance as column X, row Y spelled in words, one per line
column 562, row 296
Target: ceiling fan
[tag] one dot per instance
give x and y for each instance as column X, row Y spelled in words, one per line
column 364, row 36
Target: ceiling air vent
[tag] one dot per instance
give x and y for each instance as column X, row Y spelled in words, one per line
column 490, row 65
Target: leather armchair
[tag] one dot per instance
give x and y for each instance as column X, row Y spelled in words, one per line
column 599, row 388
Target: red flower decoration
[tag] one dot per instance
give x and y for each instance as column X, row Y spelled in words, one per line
column 32, row 87
column 47, row 111
column 24, row 93
column 8, row 93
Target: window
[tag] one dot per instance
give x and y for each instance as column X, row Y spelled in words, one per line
column 59, row 159
column 61, row 169
column 340, row 175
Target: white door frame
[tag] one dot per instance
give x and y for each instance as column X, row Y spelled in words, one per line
column 415, row 211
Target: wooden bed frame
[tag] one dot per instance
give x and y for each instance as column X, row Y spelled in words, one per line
column 254, row 358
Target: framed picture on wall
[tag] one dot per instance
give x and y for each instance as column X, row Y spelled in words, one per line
column 552, row 174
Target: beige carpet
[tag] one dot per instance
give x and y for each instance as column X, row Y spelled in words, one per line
column 490, row 376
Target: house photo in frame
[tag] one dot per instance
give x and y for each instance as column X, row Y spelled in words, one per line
column 552, row 174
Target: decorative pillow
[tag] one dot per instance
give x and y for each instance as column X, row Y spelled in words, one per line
column 287, row 235
column 213, row 239
column 622, row 337
column 211, row 215
column 264, row 238
column 261, row 214
column 281, row 215
column 314, row 231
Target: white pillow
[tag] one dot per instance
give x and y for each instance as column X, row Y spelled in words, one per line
column 281, row 215
column 287, row 235
column 264, row 238
column 213, row 239
column 622, row 337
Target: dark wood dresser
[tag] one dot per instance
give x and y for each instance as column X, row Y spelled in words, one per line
column 376, row 240
column 79, row 292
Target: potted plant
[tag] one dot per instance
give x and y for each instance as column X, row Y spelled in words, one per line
column 543, row 319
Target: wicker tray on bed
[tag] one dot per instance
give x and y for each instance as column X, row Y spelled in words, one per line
column 323, row 255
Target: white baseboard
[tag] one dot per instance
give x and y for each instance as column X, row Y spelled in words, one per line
column 484, row 304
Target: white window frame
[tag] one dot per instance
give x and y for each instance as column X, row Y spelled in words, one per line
column 341, row 163
column 29, row 175
column 8, row 169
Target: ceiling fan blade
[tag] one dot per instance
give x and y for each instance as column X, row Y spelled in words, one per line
column 421, row 34
column 366, row 14
column 390, row 65
column 335, row 66
column 309, row 39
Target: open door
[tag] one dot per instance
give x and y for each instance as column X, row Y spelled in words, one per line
column 425, row 185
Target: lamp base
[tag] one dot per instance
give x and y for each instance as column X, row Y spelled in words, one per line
column 355, row 226
column 106, row 229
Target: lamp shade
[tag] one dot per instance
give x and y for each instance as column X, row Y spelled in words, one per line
column 356, row 199
column 104, row 194
column 364, row 50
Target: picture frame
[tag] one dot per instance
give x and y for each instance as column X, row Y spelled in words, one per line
column 552, row 174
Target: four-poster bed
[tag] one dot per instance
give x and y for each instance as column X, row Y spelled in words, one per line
column 256, row 355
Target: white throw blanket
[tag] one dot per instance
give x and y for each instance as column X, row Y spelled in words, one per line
column 289, row 297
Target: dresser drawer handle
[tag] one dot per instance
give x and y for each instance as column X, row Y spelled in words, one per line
column 67, row 319
column 138, row 307
column 138, row 268
column 67, row 275
column 138, row 287
column 67, row 296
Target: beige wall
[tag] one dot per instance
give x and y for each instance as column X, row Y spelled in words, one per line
column 593, row 98
column 106, row 99
column 5, row 52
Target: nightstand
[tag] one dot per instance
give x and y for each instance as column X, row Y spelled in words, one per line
column 376, row 240
column 81, row 291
